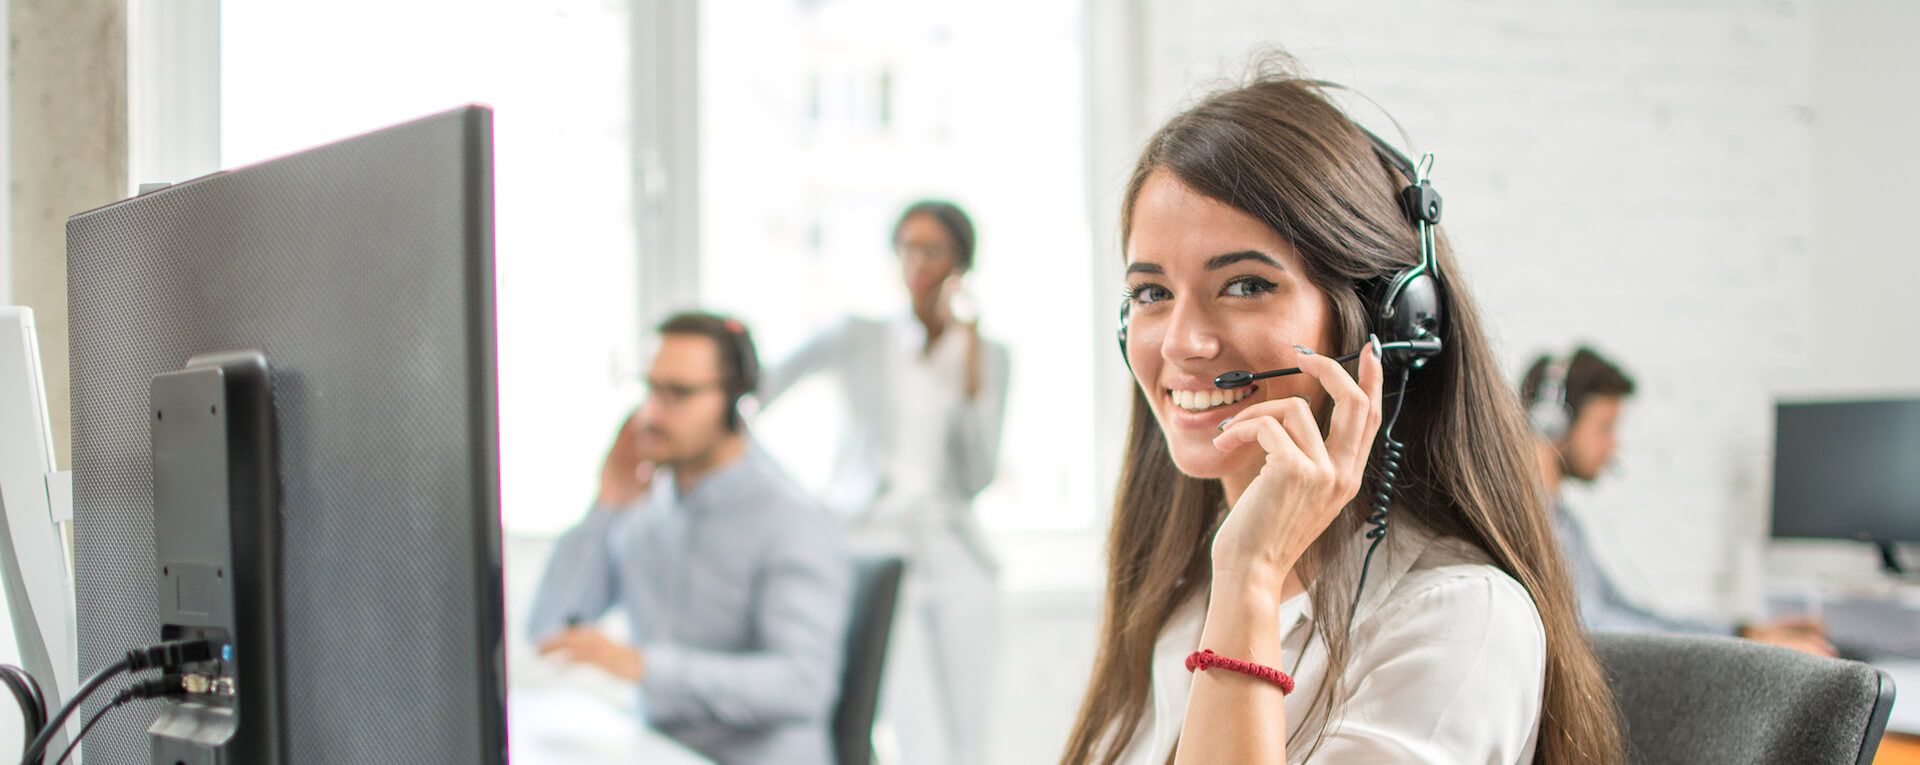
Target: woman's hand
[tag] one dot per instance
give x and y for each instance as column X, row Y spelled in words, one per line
column 961, row 313
column 1801, row 633
column 1306, row 480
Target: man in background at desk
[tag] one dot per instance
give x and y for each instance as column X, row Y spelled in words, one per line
column 1574, row 403
column 736, row 585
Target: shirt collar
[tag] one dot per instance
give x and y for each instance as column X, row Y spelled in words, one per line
column 720, row 489
column 1405, row 541
column 908, row 330
column 912, row 335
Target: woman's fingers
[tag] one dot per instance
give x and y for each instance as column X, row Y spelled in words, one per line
column 1356, row 404
column 1284, row 428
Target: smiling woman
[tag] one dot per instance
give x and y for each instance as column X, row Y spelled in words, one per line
column 1262, row 227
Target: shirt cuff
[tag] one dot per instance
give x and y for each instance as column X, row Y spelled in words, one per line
column 666, row 669
column 662, row 679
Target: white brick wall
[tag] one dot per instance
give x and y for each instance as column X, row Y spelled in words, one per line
column 1711, row 191
column 1634, row 174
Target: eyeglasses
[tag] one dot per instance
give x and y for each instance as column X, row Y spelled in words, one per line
column 671, row 394
column 926, row 251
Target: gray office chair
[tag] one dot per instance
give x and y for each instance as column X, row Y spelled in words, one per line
column 876, row 592
column 1703, row 699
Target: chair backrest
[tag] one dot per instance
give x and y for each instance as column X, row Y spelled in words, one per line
column 876, row 591
column 1703, row 699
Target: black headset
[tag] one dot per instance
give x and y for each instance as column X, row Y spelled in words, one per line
column 746, row 361
column 1407, row 314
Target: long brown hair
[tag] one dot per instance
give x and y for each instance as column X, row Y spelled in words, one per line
column 1279, row 150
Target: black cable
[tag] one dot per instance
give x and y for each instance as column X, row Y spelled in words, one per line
column 26, row 690
column 165, row 686
column 37, row 697
column 169, row 655
column 1389, row 471
column 33, row 704
column 91, row 721
column 37, row 750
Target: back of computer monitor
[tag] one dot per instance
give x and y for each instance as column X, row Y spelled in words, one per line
column 363, row 272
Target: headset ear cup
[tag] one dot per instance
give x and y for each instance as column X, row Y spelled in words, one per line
column 1409, row 309
column 1549, row 420
column 1549, row 415
column 1125, row 316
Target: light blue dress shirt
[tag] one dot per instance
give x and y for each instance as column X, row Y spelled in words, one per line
column 1602, row 606
column 738, row 595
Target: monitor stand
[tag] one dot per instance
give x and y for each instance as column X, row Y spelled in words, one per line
column 216, row 539
column 1890, row 558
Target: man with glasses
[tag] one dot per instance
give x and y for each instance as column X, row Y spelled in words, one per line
column 736, row 585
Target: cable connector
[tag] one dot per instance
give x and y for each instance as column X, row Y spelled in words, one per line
column 171, row 655
column 169, row 685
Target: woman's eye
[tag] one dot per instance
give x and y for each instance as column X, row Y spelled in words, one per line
column 1248, row 286
column 1148, row 293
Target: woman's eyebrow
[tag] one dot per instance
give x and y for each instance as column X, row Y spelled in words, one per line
column 1214, row 263
column 1222, row 261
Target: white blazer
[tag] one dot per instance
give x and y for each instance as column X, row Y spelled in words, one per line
column 866, row 358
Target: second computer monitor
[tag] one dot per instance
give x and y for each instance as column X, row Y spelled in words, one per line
column 1847, row 470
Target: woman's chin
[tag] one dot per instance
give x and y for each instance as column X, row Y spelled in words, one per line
column 1205, row 461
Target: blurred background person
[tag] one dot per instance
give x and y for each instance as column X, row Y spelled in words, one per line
column 1574, row 403
column 736, row 584
column 925, row 396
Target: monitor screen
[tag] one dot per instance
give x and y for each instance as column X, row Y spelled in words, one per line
column 1848, row 469
column 363, row 272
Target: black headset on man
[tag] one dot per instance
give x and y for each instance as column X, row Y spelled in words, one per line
column 1407, row 316
column 746, row 363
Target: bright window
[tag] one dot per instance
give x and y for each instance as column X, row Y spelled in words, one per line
column 295, row 75
column 820, row 120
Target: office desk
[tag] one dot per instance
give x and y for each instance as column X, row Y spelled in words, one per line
column 1905, row 717
column 1898, row 749
column 559, row 726
column 1880, row 625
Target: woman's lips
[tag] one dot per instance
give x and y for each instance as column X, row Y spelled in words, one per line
column 1211, row 416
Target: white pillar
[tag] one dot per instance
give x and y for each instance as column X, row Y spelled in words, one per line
column 173, row 90
column 67, row 133
column 666, row 155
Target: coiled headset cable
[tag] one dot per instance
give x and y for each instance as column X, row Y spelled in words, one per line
column 1389, row 472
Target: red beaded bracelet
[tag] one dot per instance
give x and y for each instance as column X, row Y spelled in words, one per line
column 1205, row 658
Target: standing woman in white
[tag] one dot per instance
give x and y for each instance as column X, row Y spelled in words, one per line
column 1339, row 566
column 925, row 396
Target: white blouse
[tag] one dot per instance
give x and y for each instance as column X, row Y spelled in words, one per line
column 1447, row 663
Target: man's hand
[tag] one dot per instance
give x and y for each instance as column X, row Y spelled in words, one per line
column 1800, row 633
column 588, row 646
column 625, row 477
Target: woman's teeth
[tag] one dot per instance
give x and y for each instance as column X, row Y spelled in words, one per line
column 1202, row 400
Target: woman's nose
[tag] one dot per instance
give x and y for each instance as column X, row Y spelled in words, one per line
column 1191, row 334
